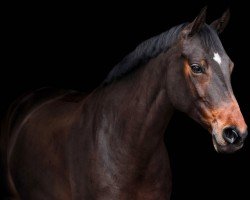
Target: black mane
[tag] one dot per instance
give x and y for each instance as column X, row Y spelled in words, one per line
column 156, row 45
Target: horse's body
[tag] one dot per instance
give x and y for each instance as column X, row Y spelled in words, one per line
column 107, row 144
column 106, row 155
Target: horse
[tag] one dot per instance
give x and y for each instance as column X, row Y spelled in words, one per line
column 108, row 144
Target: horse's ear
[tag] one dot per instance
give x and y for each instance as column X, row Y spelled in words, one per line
column 220, row 24
column 199, row 21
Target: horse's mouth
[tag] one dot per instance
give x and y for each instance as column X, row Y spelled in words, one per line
column 226, row 148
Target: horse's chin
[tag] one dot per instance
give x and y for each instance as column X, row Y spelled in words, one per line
column 227, row 148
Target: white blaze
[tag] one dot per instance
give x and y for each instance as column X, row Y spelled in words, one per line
column 217, row 58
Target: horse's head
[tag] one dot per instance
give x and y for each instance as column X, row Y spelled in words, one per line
column 199, row 82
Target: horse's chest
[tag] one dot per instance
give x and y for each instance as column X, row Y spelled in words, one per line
column 131, row 180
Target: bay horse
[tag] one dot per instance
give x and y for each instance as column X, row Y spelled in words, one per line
column 109, row 144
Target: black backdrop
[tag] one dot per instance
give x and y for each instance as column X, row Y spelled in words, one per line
column 75, row 45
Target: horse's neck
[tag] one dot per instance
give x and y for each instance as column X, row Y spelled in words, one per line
column 136, row 110
column 128, row 121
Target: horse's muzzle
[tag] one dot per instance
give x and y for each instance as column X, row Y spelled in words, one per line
column 233, row 140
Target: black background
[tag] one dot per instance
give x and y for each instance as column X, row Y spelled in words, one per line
column 75, row 45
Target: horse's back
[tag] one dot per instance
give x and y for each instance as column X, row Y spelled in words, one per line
column 33, row 144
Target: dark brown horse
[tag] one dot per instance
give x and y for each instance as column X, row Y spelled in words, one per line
column 108, row 144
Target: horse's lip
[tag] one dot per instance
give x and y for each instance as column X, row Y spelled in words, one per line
column 229, row 148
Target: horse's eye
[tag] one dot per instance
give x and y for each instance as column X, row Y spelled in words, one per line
column 197, row 68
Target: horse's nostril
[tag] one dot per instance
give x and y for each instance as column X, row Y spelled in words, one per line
column 230, row 135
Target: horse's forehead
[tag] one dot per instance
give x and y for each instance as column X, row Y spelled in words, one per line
column 221, row 62
column 196, row 48
column 221, row 58
column 217, row 57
